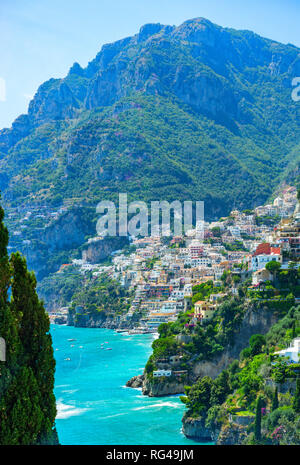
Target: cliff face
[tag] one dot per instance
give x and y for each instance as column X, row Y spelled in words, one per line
column 61, row 236
column 99, row 249
column 231, row 434
column 101, row 320
column 135, row 64
column 194, row 428
column 162, row 388
column 256, row 321
column 67, row 234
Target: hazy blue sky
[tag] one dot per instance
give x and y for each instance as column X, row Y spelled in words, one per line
column 42, row 38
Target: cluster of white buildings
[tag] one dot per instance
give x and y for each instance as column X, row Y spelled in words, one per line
column 282, row 205
column 161, row 274
column 292, row 352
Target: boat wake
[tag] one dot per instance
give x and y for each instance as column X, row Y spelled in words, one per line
column 66, row 411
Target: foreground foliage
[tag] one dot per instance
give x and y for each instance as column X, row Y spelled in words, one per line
column 27, row 402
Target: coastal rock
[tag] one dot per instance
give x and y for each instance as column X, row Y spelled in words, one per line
column 101, row 320
column 194, row 428
column 232, row 434
column 256, row 320
column 159, row 388
column 135, row 381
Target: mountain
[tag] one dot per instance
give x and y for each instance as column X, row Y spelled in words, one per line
column 194, row 112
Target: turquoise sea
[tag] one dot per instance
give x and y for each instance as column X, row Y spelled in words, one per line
column 94, row 406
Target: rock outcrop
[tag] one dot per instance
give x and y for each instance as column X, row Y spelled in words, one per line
column 194, row 428
column 161, row 388
column 232, row 434
column 102, row 320
column 100, row 248
column 135, row 382
column 256, row 321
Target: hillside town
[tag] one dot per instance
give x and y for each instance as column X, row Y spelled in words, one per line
column 161, row 272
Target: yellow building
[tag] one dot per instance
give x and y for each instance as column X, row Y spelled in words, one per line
column 204, row 309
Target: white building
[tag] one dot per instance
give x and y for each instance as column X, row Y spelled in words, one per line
column 200, row 261
column 159, row 373
column 278, row 202
column 195, row 248
column 258, row 262
column 235, row 231
column 177, row 294
column 291, row 352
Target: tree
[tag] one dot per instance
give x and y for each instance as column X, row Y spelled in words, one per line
column 21, row 415
column 163, row 329
column 273, row 267
column 35, row 338
column 198, row 396
column 216, row 231
column 27, row 403
column 296, row 401
column 257, row 341
column 257, row 424
column 220, row 388
column 275, row 402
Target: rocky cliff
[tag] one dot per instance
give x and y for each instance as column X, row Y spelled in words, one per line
column 100, row 248
column 231, row 434
column 256, row 321
column 135, row 382
column 194, row 428
column 162, row 388
column 102, row 320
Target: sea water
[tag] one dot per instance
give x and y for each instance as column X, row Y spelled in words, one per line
column 93, row 404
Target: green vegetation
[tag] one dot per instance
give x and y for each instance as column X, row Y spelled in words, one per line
column 278, row 295
column 100, row 297
column 27, row 402
column 250, row 387
column 267, row 220
column 257, row 425
column 59, row 288
column 199, row 341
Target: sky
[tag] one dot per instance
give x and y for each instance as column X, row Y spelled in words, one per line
column 41, row 39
